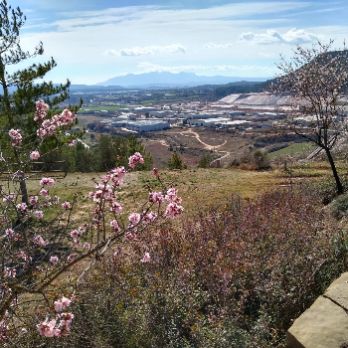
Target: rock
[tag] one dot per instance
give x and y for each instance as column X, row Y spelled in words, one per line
column 325, row 323
column 338, row 290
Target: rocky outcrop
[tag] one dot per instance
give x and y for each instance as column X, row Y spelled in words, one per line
column 325, row 323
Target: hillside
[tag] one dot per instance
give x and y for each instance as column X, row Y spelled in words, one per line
column 167, row 79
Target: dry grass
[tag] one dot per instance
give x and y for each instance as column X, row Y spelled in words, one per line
column 201, row 188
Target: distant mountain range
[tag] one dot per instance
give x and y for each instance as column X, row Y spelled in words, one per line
column 171, row 80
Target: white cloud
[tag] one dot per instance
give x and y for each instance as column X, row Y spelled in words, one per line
column 292, row 37
column 157, row 14
column 215, row 45
column 147, row 50
column 91, row 46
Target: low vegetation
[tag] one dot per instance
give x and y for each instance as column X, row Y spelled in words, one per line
column 99, row 261
column 220, row 278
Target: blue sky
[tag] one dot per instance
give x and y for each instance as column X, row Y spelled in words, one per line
column 95, row 40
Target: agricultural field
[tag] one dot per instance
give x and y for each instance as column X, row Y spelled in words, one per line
column 293, row 150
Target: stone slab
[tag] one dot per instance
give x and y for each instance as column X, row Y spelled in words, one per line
column 338, row 290
column 323, row 325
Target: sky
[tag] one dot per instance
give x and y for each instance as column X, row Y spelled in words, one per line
column 93, row 41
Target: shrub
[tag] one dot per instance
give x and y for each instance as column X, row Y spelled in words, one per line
column 232, row 278
column 339, row 207
column 324, row 190
column 261, row 161
column 205, row 161
column 253, row 160
column 176, row 162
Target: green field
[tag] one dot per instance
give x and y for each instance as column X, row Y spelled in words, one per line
column 293, row 150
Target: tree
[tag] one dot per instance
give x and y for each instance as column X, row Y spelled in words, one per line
column 175, row 162
column 43, row 239
column 22, row 88
column 113, row 150
column 316, row 78
column 205, row 161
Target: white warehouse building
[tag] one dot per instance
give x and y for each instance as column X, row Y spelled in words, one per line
column 143, row 125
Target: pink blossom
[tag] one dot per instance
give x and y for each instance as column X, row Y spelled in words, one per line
column 4, row 328
column 116, row 207
column 24, row 256
column 34, row 155
column 44, row 192
column 86, row 246
column 173, row 210
column 9, row 198
column 66, row 205
column 38, row 214
column 48, row 328
column 130, row 236
column 156, row 197
column 135, row 159
column 54, row 259
column 33, row 200
column 22, row 207
column 65, row 322
column 50, row 126
column 16, row 137
column 71, row 257
column 66, row 316
column 41, row 133
column 103, row 191
column 150, row 217
column 62, row 304
column 47, row 182
column 10, row 233
column 146, row 258
column 38, row 240
column 114, row 225
column 171, row 196
column 66, row 117
column 155, row 172
column 82, row 229
column 117, row 175
column 41, row 111
column 134, row 219
column 75, row 235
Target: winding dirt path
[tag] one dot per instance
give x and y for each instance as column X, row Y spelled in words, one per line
column 206, row 146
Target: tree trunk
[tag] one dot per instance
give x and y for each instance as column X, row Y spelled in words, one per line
column 6, row 98
column 339, row 186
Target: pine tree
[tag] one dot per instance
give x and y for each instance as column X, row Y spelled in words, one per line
column 22, row 88
column 176, row 162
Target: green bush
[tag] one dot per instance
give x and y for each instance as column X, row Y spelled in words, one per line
column 339, row 207
column 253, row 160
column 260, row 160
column 176, row 162
column 205, row 161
